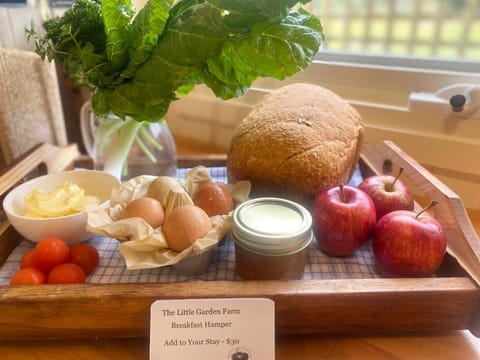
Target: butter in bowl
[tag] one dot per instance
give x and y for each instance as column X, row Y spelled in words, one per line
column 56, row 204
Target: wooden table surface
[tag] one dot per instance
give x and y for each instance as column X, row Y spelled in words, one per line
column 459, row 345
column 455, row 345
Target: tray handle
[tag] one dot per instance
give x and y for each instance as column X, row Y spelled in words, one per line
column 54, row 158
column 43, row 158
column 463, row 244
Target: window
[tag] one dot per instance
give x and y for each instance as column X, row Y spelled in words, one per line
column 13, row 2
column 435, row 29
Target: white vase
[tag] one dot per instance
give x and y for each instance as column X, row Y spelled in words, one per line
column 146, row 148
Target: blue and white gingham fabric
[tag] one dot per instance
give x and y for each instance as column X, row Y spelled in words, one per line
column 222, row 267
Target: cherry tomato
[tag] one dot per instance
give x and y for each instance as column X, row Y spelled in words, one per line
column 28, row 276
column 86, row 256
column 27, row 260
column 68, row 273
column 50, row 252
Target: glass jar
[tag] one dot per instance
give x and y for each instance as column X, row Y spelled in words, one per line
column 271, row 238
column 127, row 148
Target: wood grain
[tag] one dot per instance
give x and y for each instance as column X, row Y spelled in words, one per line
column 91, row 311
column 402, row 346
column 464, row 243
column 452, row 345
column 122, row 310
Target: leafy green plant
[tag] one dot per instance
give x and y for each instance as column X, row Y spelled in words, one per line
column 137, row 63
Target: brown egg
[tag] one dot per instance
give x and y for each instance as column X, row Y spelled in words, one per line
column 147, row 208
column 214, row 198
column 184, row 225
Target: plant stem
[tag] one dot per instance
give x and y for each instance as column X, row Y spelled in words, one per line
column 143, row 147
column 151, row 140
column 116, row 157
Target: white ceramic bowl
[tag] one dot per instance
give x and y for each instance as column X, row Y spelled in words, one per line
column 71, row 228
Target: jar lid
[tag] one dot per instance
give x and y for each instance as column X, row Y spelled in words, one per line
column 272, row 226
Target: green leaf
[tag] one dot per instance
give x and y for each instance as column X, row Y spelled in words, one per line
column 225, row 44
column 117, row 15
column 193, row 35
column 225, row 87
column 184, row 89
column 277, row 49
column 147, row 27
column 242, row 13
column 272, row 49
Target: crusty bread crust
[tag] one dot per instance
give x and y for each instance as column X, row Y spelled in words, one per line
column 297, row 141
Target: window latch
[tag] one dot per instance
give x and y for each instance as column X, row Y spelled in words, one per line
column 460, row 100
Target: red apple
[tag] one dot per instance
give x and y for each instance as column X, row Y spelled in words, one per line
column 388, row 193
column 409, row 244
column 343, row 219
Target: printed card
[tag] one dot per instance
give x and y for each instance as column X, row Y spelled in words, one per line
column 231, row 329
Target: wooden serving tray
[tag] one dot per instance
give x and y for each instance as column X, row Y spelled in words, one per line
column 382, row 305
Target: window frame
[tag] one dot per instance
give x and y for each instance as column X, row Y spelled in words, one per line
column 451, row 65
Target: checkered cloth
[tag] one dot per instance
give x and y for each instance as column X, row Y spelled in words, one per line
column 112, row 265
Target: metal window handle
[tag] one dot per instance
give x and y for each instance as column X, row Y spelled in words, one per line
column 457, row 102
column 460, row 100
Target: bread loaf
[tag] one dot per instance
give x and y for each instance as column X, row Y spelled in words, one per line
column 299, row 140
